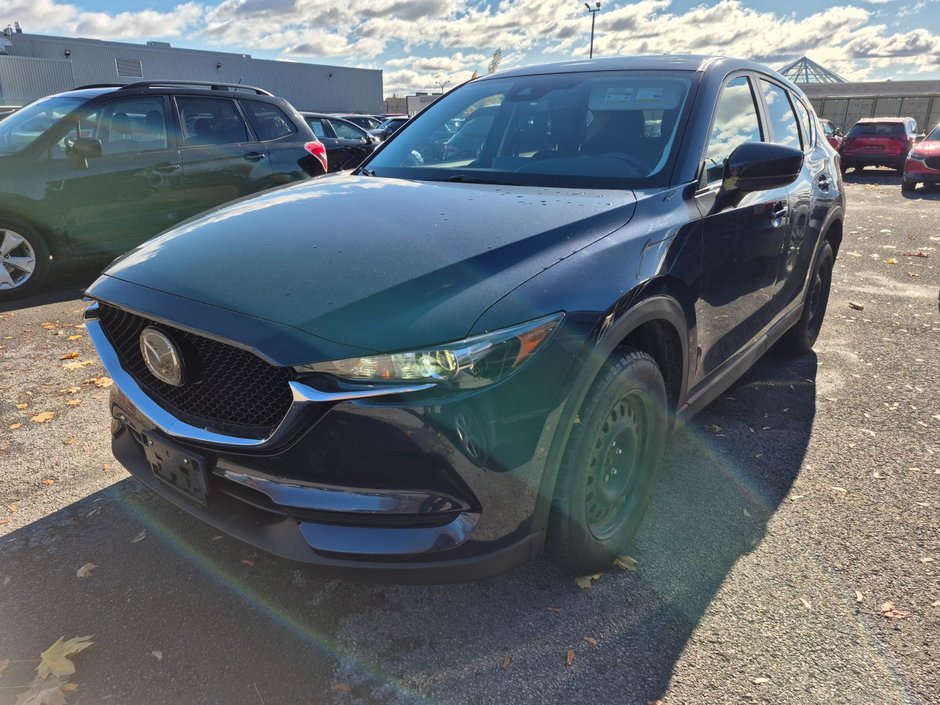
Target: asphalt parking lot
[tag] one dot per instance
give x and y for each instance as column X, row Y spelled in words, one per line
column 792, row 554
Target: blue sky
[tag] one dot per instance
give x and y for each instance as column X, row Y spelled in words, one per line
column 421, row 43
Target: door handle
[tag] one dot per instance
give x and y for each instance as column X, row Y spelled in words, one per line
column 778, row 214
column 254, row 156
column 166, row 168
column 823, row 182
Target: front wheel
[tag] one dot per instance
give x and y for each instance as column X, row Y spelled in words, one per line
column 908, row 186
column 611, row 463
column 24, row 259
column 802, row 336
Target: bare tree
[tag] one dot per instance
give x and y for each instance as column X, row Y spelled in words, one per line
column 494, row 62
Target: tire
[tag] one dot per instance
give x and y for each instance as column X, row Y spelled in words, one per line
column 22, row 245
column 802, row 336
column 908, row 186
column 598, row 507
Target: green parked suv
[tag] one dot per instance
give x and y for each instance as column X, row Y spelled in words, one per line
column 98, row 170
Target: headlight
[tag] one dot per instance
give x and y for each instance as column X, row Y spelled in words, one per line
column 919, row 156
column 473, row 362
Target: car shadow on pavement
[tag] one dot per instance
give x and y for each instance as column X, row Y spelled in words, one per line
column 66, row 282
column 183, row 615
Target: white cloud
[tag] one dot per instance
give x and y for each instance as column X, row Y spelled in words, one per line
column 420, row 43
column 51, row 17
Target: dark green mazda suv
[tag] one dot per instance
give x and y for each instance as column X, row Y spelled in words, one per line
column 434, row 366
column 95, row 171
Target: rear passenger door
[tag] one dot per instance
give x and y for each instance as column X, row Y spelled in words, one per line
column 336, row 153
column 221, row 158
column 281, row 139
column 811, row 195
column 742, row 242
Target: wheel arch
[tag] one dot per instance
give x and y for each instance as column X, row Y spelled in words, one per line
column 653, row 322
column 23, row 210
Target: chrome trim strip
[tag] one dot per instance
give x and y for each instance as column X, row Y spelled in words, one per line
column 349, row 500
column 303, row 395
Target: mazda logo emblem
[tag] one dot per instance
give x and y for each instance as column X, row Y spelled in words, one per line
column 162, row 357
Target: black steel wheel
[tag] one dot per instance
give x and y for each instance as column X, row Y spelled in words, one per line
column 802, row 336
column 611, row 463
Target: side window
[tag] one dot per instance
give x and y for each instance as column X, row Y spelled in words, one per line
column 211, row 121
column 346, row 132
column 269, row 121
column 316, row 124
column 806, row 124
column 736, row 122
column 122, row 126
column 782, row 119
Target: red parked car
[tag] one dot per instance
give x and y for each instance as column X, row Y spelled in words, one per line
column 833, row 134
column 878, row 142
column 923, row 162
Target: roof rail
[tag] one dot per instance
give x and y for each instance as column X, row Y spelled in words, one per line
column 98, row 85
column 210, row 85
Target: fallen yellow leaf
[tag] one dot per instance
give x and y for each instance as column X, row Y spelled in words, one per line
column 48, row 483
column 71, row 355
column 14, row 426
column 68, row 687
column 342, row 687
column 85, row 570
column 77, row 365
column 55, row 659
column 21, row 406
column 625, row 563
column 586, row 581
column 591, row 640
column 507, row 661
column 44, row 417
column 75, row 337
column 70, row 390
column 569, row 657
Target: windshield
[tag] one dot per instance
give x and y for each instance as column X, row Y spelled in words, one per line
column 21, row 129
column 581, row 130
column 934, row 133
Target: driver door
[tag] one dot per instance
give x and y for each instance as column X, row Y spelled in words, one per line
column 131, row 192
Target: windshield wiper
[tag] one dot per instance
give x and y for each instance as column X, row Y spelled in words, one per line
column 464, row 179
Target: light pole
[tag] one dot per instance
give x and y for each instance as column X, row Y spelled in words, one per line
column 442, row 84
column 593, row 10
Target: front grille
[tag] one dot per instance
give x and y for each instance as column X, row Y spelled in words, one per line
column 234, row 392
column 932, row 163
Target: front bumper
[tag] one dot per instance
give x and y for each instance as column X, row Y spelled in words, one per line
column 916, row 171
column 409, row 488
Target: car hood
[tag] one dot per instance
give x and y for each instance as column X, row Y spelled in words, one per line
column 376, row 263
column 931, row 147
column 382, row 264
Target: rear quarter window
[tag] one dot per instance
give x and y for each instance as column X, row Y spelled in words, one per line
column 268, row 121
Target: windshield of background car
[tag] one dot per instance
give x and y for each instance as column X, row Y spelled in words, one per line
column 934, row 134
column 23, row 127
column 610, row 129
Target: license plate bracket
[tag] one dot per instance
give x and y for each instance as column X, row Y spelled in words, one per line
column 178, row 469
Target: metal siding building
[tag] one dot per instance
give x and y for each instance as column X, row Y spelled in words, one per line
column 38, row 65
column 845, row 103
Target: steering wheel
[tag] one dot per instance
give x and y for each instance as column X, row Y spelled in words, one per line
column 414, row 158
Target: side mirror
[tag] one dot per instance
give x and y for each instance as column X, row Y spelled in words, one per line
column 86, row 148
column 761, row 166
column 920, row 136
column 837, row 131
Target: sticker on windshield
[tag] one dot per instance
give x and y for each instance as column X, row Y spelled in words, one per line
column 649, row 95
column 618, row 95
